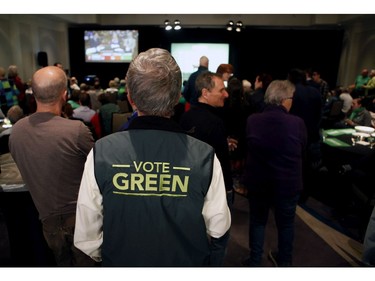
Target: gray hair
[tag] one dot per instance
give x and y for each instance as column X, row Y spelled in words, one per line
column 278, row 91
column 154, row 82
column 205, row 81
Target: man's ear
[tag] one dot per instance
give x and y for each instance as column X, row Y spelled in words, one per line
column 65, row 96
column 130, row 100
column 205, row 93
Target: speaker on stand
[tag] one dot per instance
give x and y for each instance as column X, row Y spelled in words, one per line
column 42, row 59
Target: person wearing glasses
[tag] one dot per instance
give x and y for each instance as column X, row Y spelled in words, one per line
column 276, row 141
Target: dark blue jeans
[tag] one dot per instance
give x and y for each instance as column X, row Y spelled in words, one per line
column 218, row 246
column 284, row 211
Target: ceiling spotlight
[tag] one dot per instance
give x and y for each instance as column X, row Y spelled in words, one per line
column 177, row 25
column 239, row 26
column 230, row 25
column 168, row 25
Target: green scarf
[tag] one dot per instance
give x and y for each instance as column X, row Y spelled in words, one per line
column 356, row 112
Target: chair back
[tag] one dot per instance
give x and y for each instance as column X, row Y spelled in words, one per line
column 372, row 118
column 124, row 106
column 336, row 108
column 118, row 119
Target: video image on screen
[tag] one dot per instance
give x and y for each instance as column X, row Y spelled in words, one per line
column 187, row 56
column 110, row 45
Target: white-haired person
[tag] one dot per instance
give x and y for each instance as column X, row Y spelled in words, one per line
column 151, row 195
column 276, row 143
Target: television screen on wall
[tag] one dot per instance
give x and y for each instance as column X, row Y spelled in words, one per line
column 110, row 45
column 187, row 56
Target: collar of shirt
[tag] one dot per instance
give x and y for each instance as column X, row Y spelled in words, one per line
column 155, row 123
column 273, row 107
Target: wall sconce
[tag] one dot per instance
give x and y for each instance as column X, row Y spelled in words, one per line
column 168, row 25
column 231, row 26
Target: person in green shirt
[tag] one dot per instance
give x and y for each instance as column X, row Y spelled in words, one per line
column 362, row 79
column 122, row 90
column 370, row 86
column 359, row 116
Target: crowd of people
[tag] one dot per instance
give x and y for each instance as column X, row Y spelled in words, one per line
column 159, row 191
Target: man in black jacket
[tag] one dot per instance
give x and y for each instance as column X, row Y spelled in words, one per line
column 203, row 122
column 190, row 93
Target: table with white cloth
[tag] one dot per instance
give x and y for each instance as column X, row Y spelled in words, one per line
column 350, row 167
column 338, row 148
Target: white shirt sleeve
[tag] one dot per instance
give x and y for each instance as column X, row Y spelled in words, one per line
column 88, row 234
column 216, row 212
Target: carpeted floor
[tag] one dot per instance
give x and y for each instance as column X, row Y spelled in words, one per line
column 312, row 248
column 320, row 239
column 316, row 244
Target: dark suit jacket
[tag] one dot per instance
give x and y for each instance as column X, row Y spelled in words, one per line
column 203, row 122
column 276, row 141
column 189, row 93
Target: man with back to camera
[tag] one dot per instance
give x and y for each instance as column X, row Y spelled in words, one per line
column 273, row 173
column 190, row 93
column 151, row 195
column 50, row 152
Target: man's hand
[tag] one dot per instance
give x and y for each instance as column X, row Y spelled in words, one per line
column 232, row 143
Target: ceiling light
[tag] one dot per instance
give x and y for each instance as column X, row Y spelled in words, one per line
column 168, row 25
column 230, row 25
column 239, row 25
column 177, row 25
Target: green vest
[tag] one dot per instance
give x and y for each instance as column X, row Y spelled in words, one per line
column 153, row 184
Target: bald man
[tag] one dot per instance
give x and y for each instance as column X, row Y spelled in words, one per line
column 50, row 152
column 190, row 94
